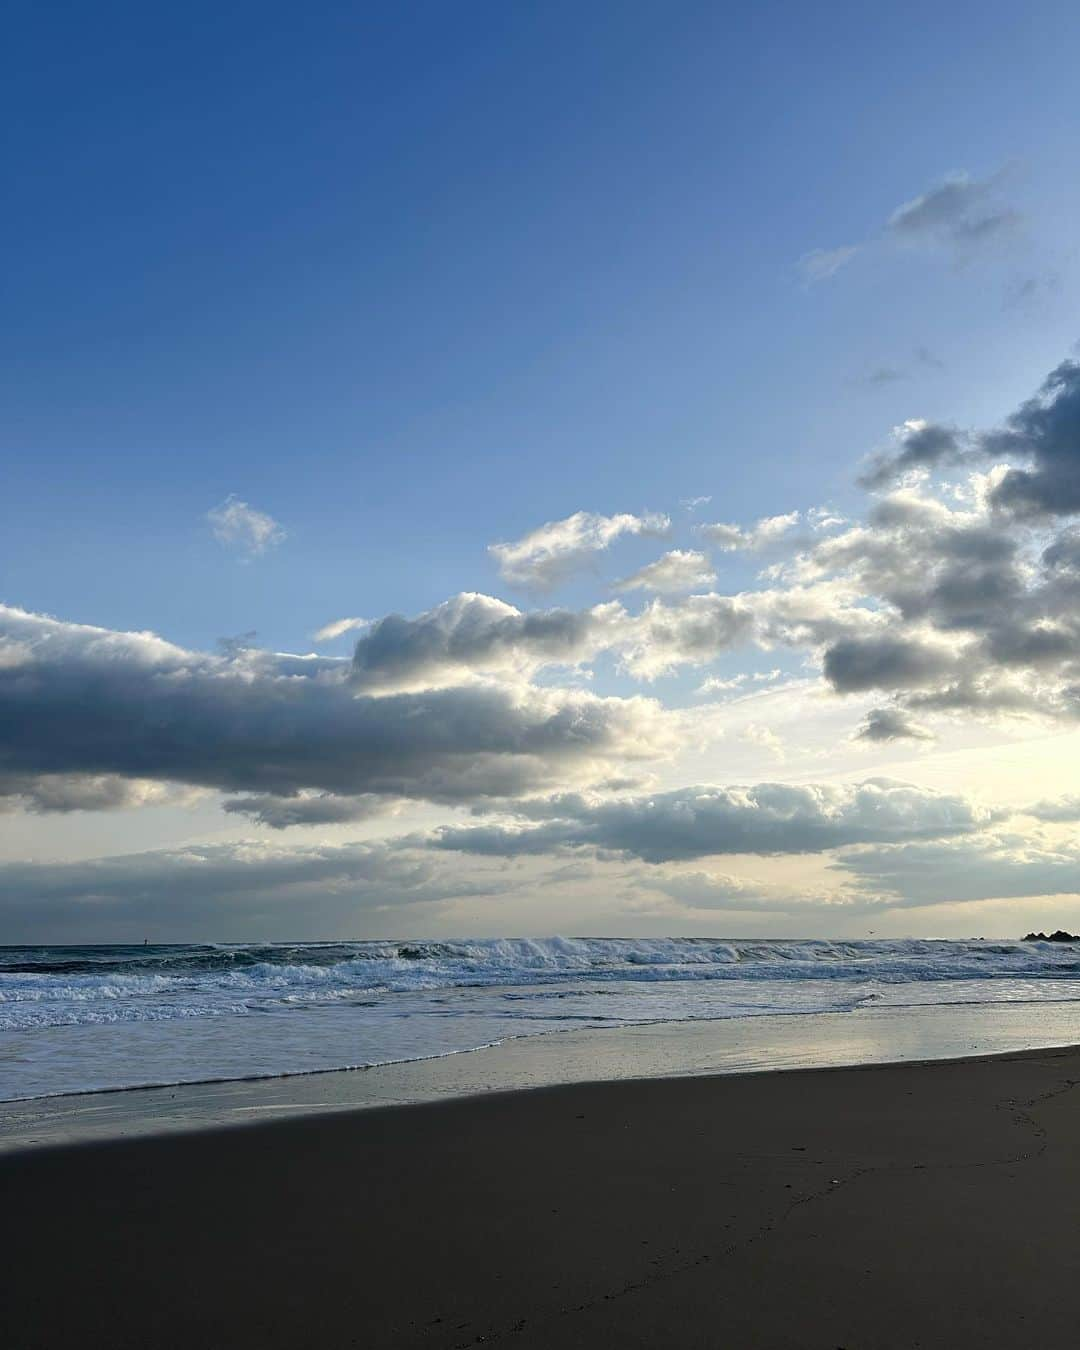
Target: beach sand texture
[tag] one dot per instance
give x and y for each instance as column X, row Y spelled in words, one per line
column 932, row 1205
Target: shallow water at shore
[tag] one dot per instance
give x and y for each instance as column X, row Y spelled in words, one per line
column 866, row 1037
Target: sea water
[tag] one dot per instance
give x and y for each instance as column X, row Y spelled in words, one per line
column 78, row 1019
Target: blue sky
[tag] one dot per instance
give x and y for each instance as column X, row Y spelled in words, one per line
column 412, row 280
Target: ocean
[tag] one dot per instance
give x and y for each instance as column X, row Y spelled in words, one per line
column 80, row 1019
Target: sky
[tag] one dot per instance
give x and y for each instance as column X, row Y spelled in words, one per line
column 596, row 469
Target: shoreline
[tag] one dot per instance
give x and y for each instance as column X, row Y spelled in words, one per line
column 865, row 1038
column 874, row 1207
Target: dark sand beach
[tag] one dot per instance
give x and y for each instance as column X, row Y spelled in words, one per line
column 930, row 1205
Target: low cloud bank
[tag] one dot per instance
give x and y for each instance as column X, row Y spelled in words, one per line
column 697, row 822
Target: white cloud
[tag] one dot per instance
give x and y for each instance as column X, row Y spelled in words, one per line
column 822, row 263
column 763, row 535
column 551, row 553
column 679, row 570
column 238, row 525
column 765, row 737
column 329, row 631
column 824, row 518
column 717, row 685
column 691, row 631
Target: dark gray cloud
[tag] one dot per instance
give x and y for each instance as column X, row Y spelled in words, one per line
column 980, row 693
column 221, row 891
column 1047, row 428
column 885, row 375
column 1062, row 555
column 473, row 633
column 954, row 571
column 959, row 216
column 958, row 211
column 1032, row 294
column 1058, row 810
column 1044, row 432
column 891, row 724
column 79, row 702
column 696, row 822
column 969, row 608
column 921, row 445
column 922, row 360
column 963, row 870
column 925, row 357
column 64, row 793
column 887, row 662
column 1032, row 648
column 306, row 808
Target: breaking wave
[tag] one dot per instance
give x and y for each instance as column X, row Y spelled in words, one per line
column 50, row 986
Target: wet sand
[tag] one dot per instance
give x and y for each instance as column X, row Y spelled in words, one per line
column 931, row 1205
